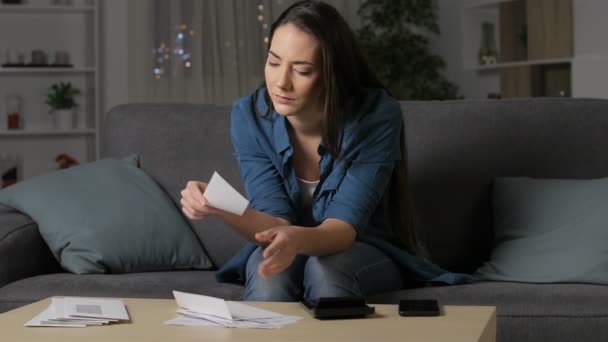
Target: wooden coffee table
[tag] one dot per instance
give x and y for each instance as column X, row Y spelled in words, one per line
column 457, row 323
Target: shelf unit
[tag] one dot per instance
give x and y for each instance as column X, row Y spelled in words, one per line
column 24, row 70
column 41, row 25
column 45, row 8
column 534, row 43
column 54, row 132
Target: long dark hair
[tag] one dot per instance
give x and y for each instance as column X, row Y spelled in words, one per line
column 346, row 74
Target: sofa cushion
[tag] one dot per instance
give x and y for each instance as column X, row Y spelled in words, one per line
column 201, row 134
column 23, row 252
column 132, row 285
column 457, row 148
column 108, row 217
column 549, row 230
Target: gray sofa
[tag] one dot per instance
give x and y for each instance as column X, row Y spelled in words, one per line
column 456, row 149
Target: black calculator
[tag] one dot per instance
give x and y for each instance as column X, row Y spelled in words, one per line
column 338, row 307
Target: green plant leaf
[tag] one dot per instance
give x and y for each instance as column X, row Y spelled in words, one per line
column 394, row 36
column 61, row 96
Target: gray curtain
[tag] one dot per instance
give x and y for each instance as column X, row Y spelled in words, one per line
column 203, row 51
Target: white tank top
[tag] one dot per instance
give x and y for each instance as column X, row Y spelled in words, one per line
column 307, row 189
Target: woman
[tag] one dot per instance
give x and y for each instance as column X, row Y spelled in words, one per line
column 318, row 146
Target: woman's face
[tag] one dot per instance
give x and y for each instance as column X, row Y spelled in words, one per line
column 292, row 72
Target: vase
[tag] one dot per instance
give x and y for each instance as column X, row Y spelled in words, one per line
column 488, row 53
column 63, row 119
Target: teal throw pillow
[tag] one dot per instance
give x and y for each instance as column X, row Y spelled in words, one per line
column 549, row 231
column 108, row 216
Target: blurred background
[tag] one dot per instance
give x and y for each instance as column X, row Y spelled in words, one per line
column 67, row 62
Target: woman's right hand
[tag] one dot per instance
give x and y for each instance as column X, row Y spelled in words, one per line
column 194, row 204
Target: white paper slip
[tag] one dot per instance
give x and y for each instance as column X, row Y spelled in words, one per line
column 211, row 311
column 203, row 304
column 246, row 312
column 58, row 306
column 41, row 320
column 221, row 195
column 191, row 321
column 96, row 308
column 261, row 323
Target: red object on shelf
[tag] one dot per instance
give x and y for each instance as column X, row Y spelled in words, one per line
column 7, row 183
column 65, row 161
column 9, row 177
column 13, row 120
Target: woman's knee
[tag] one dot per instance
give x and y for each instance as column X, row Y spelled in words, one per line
column 325, row 277
column 282, row 287
column 270, row 289
column 358, row 271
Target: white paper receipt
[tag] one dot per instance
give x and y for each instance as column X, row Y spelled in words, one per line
column 221, row 195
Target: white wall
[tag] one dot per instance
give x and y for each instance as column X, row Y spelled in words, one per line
column 114, row 33
column 590, row 62
column 449, row 46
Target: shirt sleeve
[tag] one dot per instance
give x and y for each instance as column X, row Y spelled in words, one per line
column 263, row 183
column 369, row 174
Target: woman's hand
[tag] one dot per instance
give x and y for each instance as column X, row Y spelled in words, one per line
column 281, row 251
column 194, row 204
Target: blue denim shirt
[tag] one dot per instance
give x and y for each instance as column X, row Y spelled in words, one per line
column 353, row 188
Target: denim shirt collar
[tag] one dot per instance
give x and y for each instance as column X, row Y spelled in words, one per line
column 281, row 136
column 281, row 140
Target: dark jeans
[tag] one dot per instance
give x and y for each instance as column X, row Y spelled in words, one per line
column 360, row 270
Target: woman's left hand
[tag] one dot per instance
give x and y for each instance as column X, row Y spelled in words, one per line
column 281, row 251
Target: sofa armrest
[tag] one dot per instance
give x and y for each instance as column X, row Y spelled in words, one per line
column 23, row 252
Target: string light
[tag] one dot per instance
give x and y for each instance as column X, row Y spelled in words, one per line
column 159, row 60
column 261, row 20
column 180, row 50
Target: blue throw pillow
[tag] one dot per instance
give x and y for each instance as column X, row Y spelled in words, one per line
column 549, row 231
column 108, row 216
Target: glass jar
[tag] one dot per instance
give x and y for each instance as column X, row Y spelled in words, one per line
column 488, row 53
column 14, row 112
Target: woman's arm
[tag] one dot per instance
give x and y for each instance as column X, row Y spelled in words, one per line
column 251, row 222
column 286, row 243
column 329, row 237
column 195, row 207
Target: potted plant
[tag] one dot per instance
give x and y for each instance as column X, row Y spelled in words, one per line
column 396, row 37
column 60, row 98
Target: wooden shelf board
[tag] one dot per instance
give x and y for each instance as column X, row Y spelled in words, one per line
column 50, row 70
column 47, row 132
column 24, row 8
column 483, row 3
column 499, row 66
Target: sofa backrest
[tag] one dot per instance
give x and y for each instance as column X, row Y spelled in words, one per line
column 177, row 143
column 455, row 149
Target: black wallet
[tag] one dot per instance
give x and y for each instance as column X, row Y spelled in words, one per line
column 338, row 307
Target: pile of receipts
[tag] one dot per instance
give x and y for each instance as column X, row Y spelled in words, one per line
column 80, row 312
column 198, row 310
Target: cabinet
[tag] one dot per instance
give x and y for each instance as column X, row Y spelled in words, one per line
column 533, row 46
column 50, row 25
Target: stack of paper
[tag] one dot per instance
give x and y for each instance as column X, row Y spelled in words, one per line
column 80, row 312
column 210, row 311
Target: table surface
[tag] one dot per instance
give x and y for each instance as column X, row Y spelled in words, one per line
column 456, row 323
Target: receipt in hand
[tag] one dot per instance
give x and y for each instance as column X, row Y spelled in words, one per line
column 221, row 195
